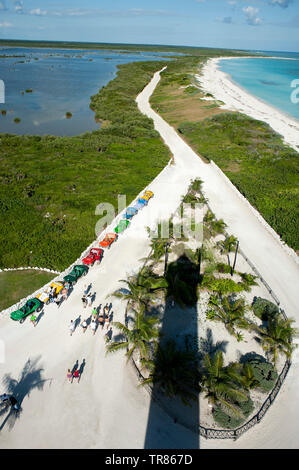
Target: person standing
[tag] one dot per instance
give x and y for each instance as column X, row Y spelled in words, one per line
column 69, row 375
column 33, row 319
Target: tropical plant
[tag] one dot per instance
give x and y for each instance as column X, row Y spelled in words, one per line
column 248, row 280
column 260, row 374
column 277, row 337
column 227, row 245
column 174, row 371
column 264, row 309
column 139, row 336
column 141, row 288
column 222, row 385
column 230, row 311
column 213, row 226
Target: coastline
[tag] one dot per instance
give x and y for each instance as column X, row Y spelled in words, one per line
column 220, row 85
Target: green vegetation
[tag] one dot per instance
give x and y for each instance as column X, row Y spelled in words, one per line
column 250, row 153
column 264, row 309
column 15, row 285
column 29, row 90
column 257, row 162
column 68, row 115
column 3, row 112
column 17, row 120
column 50, row 186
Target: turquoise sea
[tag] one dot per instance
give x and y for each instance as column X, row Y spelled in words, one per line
column 268, row 79
column 61, row 81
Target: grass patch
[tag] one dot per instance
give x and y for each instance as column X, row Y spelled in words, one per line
column 16, row 285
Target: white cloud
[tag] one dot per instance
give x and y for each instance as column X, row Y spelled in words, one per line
column 281, row 3
column 251, row 16
column 38, row 12
column 5, row 24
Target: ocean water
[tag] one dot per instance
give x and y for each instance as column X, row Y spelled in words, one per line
column 62, row 81
column 268, row 79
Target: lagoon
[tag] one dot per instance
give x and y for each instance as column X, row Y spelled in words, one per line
column 62, row 81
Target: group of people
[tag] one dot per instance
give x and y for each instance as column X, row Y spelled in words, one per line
column 98, row 317
column 73, row 375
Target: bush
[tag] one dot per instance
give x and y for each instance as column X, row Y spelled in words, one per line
column 264, row 309
column 227, row 421
column 265, row 373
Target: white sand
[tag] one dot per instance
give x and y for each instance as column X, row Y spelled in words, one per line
column 219, row 84
column 106, row 409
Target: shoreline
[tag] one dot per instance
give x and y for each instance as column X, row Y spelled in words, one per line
column 236, row 98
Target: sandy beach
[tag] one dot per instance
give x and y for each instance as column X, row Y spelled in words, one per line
column 106, row 409
column 214, row 81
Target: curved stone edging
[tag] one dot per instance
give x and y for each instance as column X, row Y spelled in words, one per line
column 30, row 268
column 265, row 224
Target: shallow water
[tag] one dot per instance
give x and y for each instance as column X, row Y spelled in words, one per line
column 268, row 79
column 62, row 81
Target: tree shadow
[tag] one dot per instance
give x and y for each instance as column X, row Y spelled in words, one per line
column 30, row 378
column 179, row 327
column 207, row 345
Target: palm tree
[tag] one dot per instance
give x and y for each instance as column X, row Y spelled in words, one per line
column 249, row 380
column 222, row 384
column 230, row 311
column 141, row 288
column 227, row 245
column 139, row 337
column 174, row 371
column 277, row 337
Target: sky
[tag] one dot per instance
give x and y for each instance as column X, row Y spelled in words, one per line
column 271, row 25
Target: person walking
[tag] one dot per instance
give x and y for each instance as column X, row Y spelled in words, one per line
column 84, row 326
column 84, row 301
column 69, row 375
column 106, row 309
column 101, row 321
column 72, row 327
column 88, row 298
column 94, row 314
column 93, row 326
column 76, row 375
column 107, row 321
column 33, row 319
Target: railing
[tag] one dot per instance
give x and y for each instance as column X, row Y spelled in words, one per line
column 210, row 433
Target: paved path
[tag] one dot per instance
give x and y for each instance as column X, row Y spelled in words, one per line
column 106, row 409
